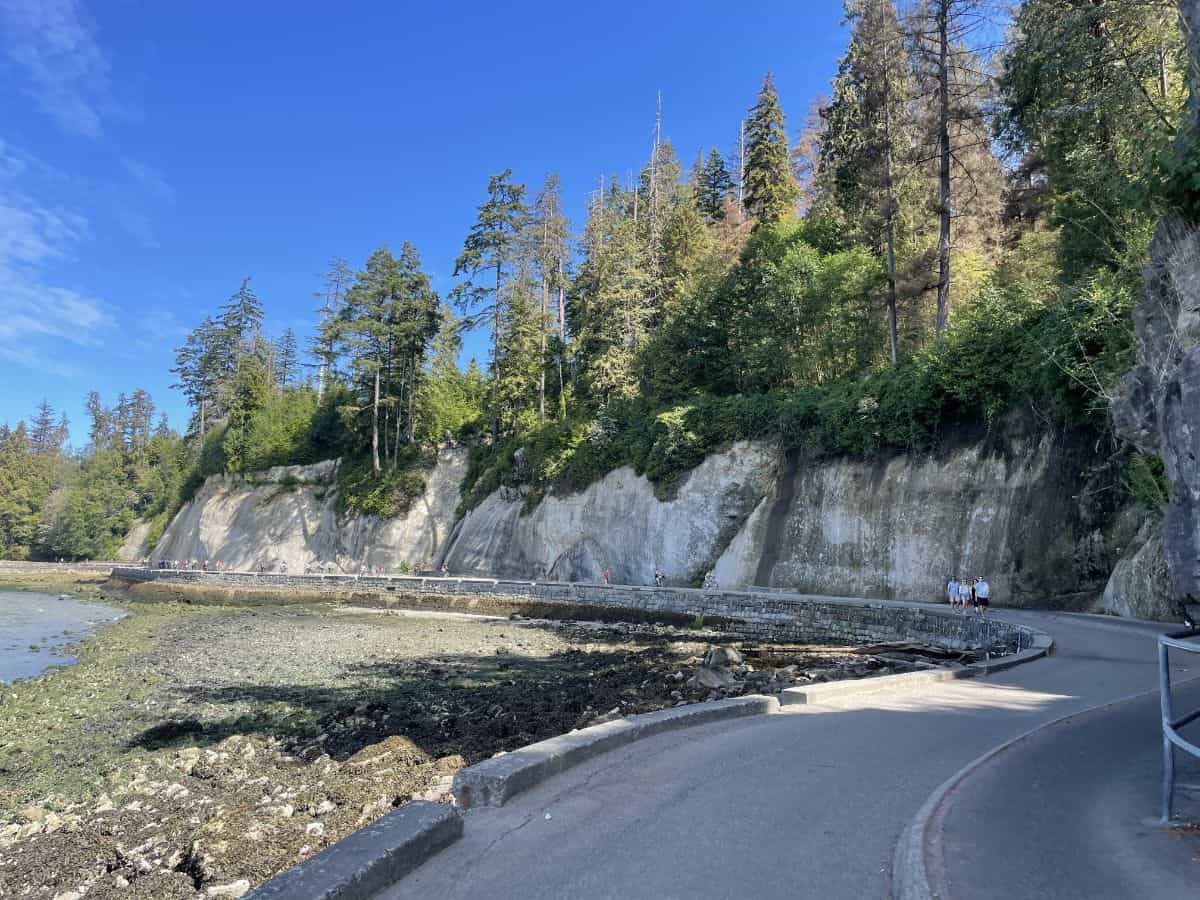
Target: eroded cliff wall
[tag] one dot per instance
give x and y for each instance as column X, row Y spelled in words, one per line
column 1014, row 510
column 895, row 527
column 289, row 515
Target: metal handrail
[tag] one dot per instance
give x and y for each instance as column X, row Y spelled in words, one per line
column 1179, row 640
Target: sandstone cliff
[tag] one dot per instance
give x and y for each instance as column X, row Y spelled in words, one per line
column 1015, row 510
column 289, row 515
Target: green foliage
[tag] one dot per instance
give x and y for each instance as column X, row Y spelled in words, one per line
column 279, row 433
column 453, row 401
column 1013, row 346
column 1146, row 481
column 1097, row 90
column 98, row 511
column 390, row 493
column 26, row 480
column 786, row 316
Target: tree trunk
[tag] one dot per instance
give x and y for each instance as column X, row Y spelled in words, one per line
column 400, row 419
column 542, row 356
column 375, row 425
column 202, row 405
column 890, row 179
column 387, row 412
column 496, row 360
column 945, row 199
column 562, row 390
column 562, row 304
column 412, row 401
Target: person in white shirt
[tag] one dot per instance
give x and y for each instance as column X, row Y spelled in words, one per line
column 964, row 595
column 952, row 590
column 982, row 591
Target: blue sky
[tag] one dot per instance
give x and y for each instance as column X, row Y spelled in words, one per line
column 152, row 154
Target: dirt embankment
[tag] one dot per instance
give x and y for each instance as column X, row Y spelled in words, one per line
column 200, row 749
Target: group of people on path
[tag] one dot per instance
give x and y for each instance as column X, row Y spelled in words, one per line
column 961, row 594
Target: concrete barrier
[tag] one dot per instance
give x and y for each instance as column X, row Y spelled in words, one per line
column 495, row 781
column 368, row 860
column 765, row 615
column 835, row 691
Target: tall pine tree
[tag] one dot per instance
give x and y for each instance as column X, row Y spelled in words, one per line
column 769, row 189
column 486, row 262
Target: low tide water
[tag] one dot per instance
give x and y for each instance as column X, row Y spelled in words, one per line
column 36, row 628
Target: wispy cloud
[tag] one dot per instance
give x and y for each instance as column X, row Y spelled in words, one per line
column 37, row 316
column 159, row 327
column 151, row 179
column 51, row 364
column 53, row 43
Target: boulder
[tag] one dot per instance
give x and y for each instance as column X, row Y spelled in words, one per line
column 716, row 677
column 722, row 656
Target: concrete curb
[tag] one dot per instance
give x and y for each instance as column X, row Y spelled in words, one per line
column 366, row 861
column 911, row 877
column 495, row 781
column 832, row 691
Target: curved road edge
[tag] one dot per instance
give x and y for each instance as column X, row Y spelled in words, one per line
column 917, row 867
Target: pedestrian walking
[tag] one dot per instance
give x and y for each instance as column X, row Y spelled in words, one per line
column 964, row 594
column 606, row 576
column 952, row 590
column 983, row 593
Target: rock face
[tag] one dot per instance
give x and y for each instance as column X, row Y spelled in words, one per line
column 1158, row 406
column 1014, row 510
column 288, row 515
column 899, row 527
column 892, row 528
column 135, row 547
column 618, row 524
column 1140, row 585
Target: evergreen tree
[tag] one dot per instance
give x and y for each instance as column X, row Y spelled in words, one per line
column 242, row 315
column 101, row 428
column 389, row 315
column 867, row 176
column 713, row 186
column 1092, row 98
column 953, row 89
column 769, row 191
column 613, row 308
column 520, row 388
column 25, row 484
column 203, row 366
column 336, row 281
column 486, row 261
column 549, row 233
column 285, row 358
column 418, row 320
column 452, row 400
column 48, row 432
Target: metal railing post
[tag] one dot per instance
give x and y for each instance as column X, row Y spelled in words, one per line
column 1164, row 697
column 1171, row 725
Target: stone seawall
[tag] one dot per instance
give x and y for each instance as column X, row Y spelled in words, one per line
column 768, row 615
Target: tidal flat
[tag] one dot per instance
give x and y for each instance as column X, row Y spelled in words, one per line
column 193, row 747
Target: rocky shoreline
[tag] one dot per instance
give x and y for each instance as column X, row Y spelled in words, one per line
column 196, row 751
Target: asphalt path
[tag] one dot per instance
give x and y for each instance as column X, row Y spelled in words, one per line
column 811, row 802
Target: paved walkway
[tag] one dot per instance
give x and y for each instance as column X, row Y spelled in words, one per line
column 811, row 803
